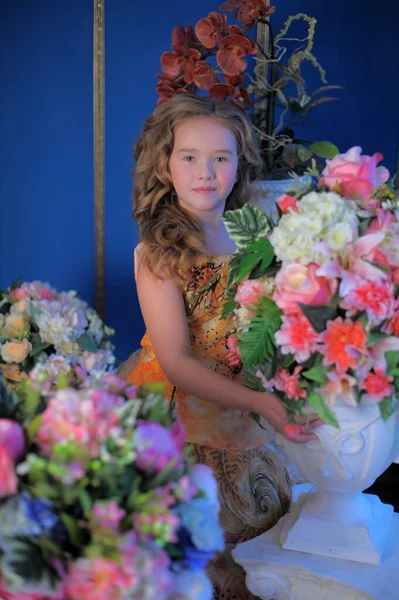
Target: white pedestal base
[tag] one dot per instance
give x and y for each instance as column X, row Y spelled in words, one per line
column 363, row 539
column 277, row 574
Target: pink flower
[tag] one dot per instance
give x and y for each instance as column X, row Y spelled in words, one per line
column 300, row 284
column 356, row 175
column 233, row 354
column 8, row 478
column 296, row 336
column 84, row 417
column 287, row 383
column 108, row 515
column 392, row 325
column 386, row 253
column 97, row 578
column 374, row 297
column 5, row 594
column 292, row 429
column 377, row 385
column 12, row 438
column 249, row 292
column 156, row 447
column 287, row 204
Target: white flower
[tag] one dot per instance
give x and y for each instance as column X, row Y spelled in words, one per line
column 55, row 365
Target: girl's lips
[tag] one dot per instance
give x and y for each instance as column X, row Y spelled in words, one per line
column 204, row 190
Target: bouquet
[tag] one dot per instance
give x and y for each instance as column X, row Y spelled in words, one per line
column 98, row 495
column 40, row 325
column 316, row 288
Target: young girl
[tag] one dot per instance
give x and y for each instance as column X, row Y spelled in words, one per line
column 195, row 159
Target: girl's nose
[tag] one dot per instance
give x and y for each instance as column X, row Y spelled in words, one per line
column 205, row 170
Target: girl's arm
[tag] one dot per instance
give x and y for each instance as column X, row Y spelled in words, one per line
column 164, row 314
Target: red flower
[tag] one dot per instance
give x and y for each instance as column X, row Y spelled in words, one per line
column 211, row 29
column 167, row 88
column 221, row 91
column 231, row 52
column 378, row 385
column 340, row 336
column 204, row 77
column 182, row 60
column 248, row 12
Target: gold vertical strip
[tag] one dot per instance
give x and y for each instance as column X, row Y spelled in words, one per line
column 99, row 153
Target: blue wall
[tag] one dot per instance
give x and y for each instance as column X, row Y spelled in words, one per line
column 46, row 192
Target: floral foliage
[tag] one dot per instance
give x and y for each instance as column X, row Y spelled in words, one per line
column 99, row 497
column 316, row 290
column 40, row 325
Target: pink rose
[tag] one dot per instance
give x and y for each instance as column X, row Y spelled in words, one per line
column 8, row 478
column 249, row 292
column 356, row 175
column 12, row 438
column 299, row 284
column 285, row 202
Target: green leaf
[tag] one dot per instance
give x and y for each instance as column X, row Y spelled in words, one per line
column 34, row 312
column 324, row 149
column 72, row 527
column 38, row 349
column 87, row 342
column 392, row 358
column 256, row 418
column 246, row 224
column 386, row 408
column 234, row 265
column 318, row 316
column 62, row 381
column 364, row 223
column 257, row 343
column 375, row 336
column 228, row 307
column 316, row 373
column 85, row 501
column 9, row 401
column 246, row 265
column 316, row 401
column 304, row 153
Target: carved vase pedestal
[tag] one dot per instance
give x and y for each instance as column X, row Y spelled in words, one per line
column 277, row 574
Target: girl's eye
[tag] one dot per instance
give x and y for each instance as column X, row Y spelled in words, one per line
column 188, row 158
column 221, row 159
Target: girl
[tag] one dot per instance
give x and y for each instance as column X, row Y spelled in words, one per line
column 195, row 159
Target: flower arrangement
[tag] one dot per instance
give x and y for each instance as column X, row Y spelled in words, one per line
column 40, row 325
column 212, row 58
column 98, row 496
column 316, row 290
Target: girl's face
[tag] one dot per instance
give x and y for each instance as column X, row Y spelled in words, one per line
column 203, row 164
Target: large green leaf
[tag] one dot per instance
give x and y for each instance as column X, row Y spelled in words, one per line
column 9, row 401
column 257, row 343
column 387, row 407
column 246, row 224
column 318, row 316
column 324, row 149
column 316, row 401
column 87, row 342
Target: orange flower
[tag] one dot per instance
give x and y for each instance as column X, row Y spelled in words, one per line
column 182, row 61
column 340, row 337
column 233, row 48
column 204, row 77
column 220, row 91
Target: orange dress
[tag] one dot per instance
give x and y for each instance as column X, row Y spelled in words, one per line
column 254, row 487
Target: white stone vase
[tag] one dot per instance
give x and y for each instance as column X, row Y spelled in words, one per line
column 336, row 519
column 264, row 193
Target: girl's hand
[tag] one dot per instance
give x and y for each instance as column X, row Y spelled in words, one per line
column 273, row 411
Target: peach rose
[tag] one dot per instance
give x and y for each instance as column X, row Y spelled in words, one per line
column 356, row 175
column 8, row 478
column 14, row 326
column 297, row 283
column 15, row 352
column 285, row 202
column 20, row 307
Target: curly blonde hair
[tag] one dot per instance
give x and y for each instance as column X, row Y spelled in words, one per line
column 170, row 234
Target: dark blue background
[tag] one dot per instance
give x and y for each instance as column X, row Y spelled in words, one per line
column 46, row 149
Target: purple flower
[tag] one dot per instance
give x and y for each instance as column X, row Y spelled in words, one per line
column 156, row 447
column 12, row 438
